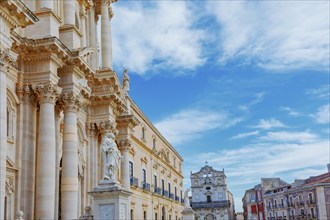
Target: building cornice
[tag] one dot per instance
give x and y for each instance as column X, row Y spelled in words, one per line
column 16, row 13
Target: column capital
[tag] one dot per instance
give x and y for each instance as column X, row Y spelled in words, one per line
column 70, row 102
column 47, row 92
column 107, row 126
column 26, row 94
column 125, row 145
column 91, row 129
column 6, row 58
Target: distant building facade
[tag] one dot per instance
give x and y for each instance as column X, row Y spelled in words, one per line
column 253, row 204
column 303, row 199
column 211, row 199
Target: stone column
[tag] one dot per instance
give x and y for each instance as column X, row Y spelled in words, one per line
column 3, row 133
column 106, row 44
column 69, row 11
column 92, row 37
column 46, row 163
column 125, row 178
column 69, row 187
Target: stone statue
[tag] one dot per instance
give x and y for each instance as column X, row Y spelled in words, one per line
column 126, row 80
column 186, row 199
column 110, row 156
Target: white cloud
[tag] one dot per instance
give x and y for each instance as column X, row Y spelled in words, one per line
column 321, row 92
column 247, row 134
column 322, row 116
column 156, row 36
column 258, row 97
column 246, row 165
column 269, row 124
column 290, row 111
column 285, row 136
column 190, row 124
column 276, row 35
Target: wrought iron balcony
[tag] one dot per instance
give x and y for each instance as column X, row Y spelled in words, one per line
column 145, row 186
column 171, row 196
column 177, row 198
column 165, row 193
column 158, row 190
column 213, row 204
column 134, row 181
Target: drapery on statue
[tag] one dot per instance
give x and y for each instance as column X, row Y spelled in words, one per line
column 110, row 156
column 186, row 199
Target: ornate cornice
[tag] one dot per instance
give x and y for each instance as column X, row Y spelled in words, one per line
column 52, row 45
column 47, row 92
column 16, row 13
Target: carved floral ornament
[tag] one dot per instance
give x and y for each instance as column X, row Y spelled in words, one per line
column 71, row 102
column 7, row 57
column 107, row 126
column 47, row 92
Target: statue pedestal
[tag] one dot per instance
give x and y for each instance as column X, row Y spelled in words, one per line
column 188, row 214
column 110, row 201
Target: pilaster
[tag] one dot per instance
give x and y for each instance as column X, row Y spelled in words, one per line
column 6, row 57
column 125, row 146
column 47, row 94
column 27, row 142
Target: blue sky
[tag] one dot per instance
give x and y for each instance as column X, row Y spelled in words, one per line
column 243, row 85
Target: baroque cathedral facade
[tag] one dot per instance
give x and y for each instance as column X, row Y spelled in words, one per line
column 210, row 197
column 57, row 103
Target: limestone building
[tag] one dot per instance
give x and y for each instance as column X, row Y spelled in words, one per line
column 210, row 197
column 56, row 104
column 303, row 199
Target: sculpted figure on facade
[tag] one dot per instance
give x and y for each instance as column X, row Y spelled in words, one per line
column 186, row 199
column 110, row 156
column 126, row 81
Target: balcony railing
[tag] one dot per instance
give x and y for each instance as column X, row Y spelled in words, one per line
column 158, row 190
column 171, row 196
column 145, row 186
column 177, row 198
column 213, row 204
column 134, row 181
column 165, row 193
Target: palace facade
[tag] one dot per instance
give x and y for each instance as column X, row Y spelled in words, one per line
column 56, row 103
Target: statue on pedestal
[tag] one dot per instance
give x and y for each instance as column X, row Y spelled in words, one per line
column 186, row 199
column 110, row 156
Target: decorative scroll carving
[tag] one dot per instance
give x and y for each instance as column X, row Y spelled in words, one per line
column 71, row 102
column 47, row 92
column 9, row 185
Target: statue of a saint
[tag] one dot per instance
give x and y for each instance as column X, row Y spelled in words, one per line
column 110, row 156
column 186, row 199
column 126, row 80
